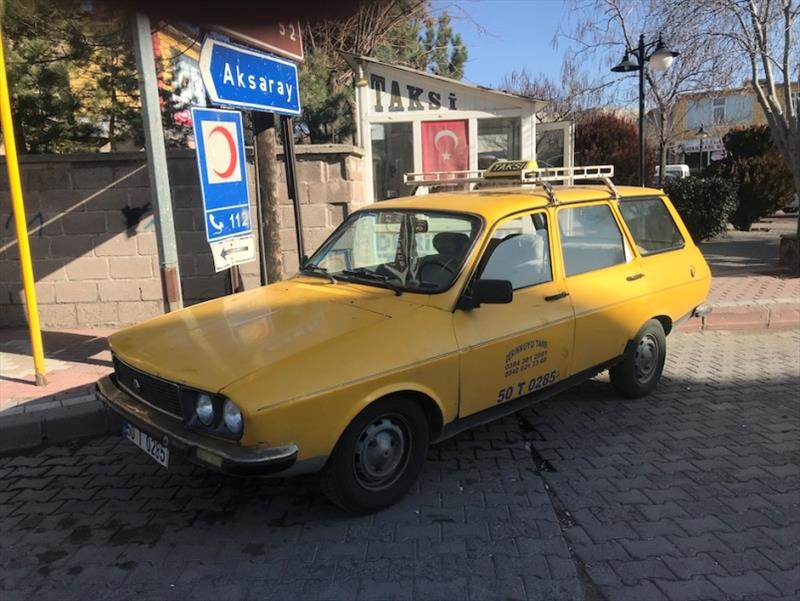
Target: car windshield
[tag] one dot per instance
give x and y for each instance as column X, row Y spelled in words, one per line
column 412, row 251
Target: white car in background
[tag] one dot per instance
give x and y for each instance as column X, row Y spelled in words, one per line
column 676, row 171
column 793, row 206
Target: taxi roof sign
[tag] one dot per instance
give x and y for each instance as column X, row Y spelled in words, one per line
column 510, row 169
column 520, row 173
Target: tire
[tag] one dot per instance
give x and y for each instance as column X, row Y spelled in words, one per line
column 378, row 457
column 640, row 370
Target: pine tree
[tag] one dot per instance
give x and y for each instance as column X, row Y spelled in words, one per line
column 44, row 41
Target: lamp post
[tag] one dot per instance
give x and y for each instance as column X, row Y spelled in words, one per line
column 660, row 59
column 701, row 133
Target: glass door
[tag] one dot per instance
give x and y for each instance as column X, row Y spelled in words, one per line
column 555, row 144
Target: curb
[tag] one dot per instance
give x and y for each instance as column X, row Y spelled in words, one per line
column 51, row 421
column 48, row 421
column 746, row 316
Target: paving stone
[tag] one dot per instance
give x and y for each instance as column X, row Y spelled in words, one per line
column 749, row 583
column 695, row 565
column 640, row 592
column 632, row 572
column 656, row 547
column 689, row 493
column 440, row 590
column 694, row 589
column 507, row 589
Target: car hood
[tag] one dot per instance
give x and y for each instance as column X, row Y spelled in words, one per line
column 212, row 344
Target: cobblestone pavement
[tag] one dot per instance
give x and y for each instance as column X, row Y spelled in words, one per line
column 691, row 493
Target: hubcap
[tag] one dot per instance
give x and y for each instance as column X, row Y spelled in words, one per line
column 381, row 452
column 646, row 358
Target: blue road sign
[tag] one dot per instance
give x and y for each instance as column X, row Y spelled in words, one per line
column 219, row 138
column 243, row 78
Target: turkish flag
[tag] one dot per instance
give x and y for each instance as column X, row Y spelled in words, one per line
column 445, row 146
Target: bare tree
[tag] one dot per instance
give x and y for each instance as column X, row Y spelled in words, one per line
column 615, row 25
column 764, row 34
column 576, row 92
column 373, row 24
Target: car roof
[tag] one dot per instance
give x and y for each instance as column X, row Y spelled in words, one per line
column 496, row 202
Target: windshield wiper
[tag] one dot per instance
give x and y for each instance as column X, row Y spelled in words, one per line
column 317, row 270
column 380, row 279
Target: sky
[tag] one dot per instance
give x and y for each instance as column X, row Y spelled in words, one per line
column 504, row 35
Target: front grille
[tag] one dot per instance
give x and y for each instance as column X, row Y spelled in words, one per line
column 154, row 391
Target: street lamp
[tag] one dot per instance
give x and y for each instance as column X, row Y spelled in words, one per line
column 701, row 133
column 660, row 59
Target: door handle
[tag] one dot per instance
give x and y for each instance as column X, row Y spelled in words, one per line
column 555, row 297
column 634, row 277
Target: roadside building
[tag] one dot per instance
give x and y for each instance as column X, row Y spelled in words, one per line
column 411, row 121
column 703, row 118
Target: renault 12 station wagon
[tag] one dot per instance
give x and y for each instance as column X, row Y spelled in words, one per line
column 417, row 319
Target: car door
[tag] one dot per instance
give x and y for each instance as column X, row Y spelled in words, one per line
column 605, row 282
column 510, row 350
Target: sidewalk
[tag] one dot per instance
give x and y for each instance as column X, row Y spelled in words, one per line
column 749, row 290
column 67, row 407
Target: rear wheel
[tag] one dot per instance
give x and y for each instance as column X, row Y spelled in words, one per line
column 640, row 370
column 378, row 457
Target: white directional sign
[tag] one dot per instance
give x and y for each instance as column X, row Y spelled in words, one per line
column 233, row 251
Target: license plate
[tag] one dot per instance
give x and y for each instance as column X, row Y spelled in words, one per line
column 157, row 449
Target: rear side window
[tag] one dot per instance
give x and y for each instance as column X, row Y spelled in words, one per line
column 651, row 225
column 590, row 239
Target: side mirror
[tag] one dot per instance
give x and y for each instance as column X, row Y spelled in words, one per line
column 491, row 292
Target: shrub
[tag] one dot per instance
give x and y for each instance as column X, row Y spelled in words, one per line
column 604, row 138
column 764, row 184
column 705, row 204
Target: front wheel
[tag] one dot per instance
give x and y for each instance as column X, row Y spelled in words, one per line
column 378, row 457
column 643, row 362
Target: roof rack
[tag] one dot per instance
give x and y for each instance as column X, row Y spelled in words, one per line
column 519, row 173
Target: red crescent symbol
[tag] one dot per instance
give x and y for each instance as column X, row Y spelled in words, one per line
column 232, row 165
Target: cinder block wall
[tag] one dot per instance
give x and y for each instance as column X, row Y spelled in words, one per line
column 93, row 239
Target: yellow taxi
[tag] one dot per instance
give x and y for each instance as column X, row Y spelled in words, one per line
column 417, row 319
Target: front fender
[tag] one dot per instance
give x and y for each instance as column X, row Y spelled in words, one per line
column 316, row 422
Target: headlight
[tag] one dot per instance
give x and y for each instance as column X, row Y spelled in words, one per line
column 204, row 408
column 232, row 416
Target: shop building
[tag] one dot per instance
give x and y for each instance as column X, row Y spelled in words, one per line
column 411, row 121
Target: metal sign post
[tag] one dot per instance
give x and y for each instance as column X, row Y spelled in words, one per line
column 26, row 265
column 157, row 163
column 289, row 161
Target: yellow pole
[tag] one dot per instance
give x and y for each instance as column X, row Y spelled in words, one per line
column 15, row 185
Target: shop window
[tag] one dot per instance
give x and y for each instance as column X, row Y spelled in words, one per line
column 718, row 110
column 392, row 156
column 498, row 139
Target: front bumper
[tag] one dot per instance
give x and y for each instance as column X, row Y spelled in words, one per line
column 212, row 453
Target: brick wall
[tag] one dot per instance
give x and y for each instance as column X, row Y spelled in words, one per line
column 93, row 237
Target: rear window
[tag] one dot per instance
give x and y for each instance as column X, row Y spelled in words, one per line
column 651, row 225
